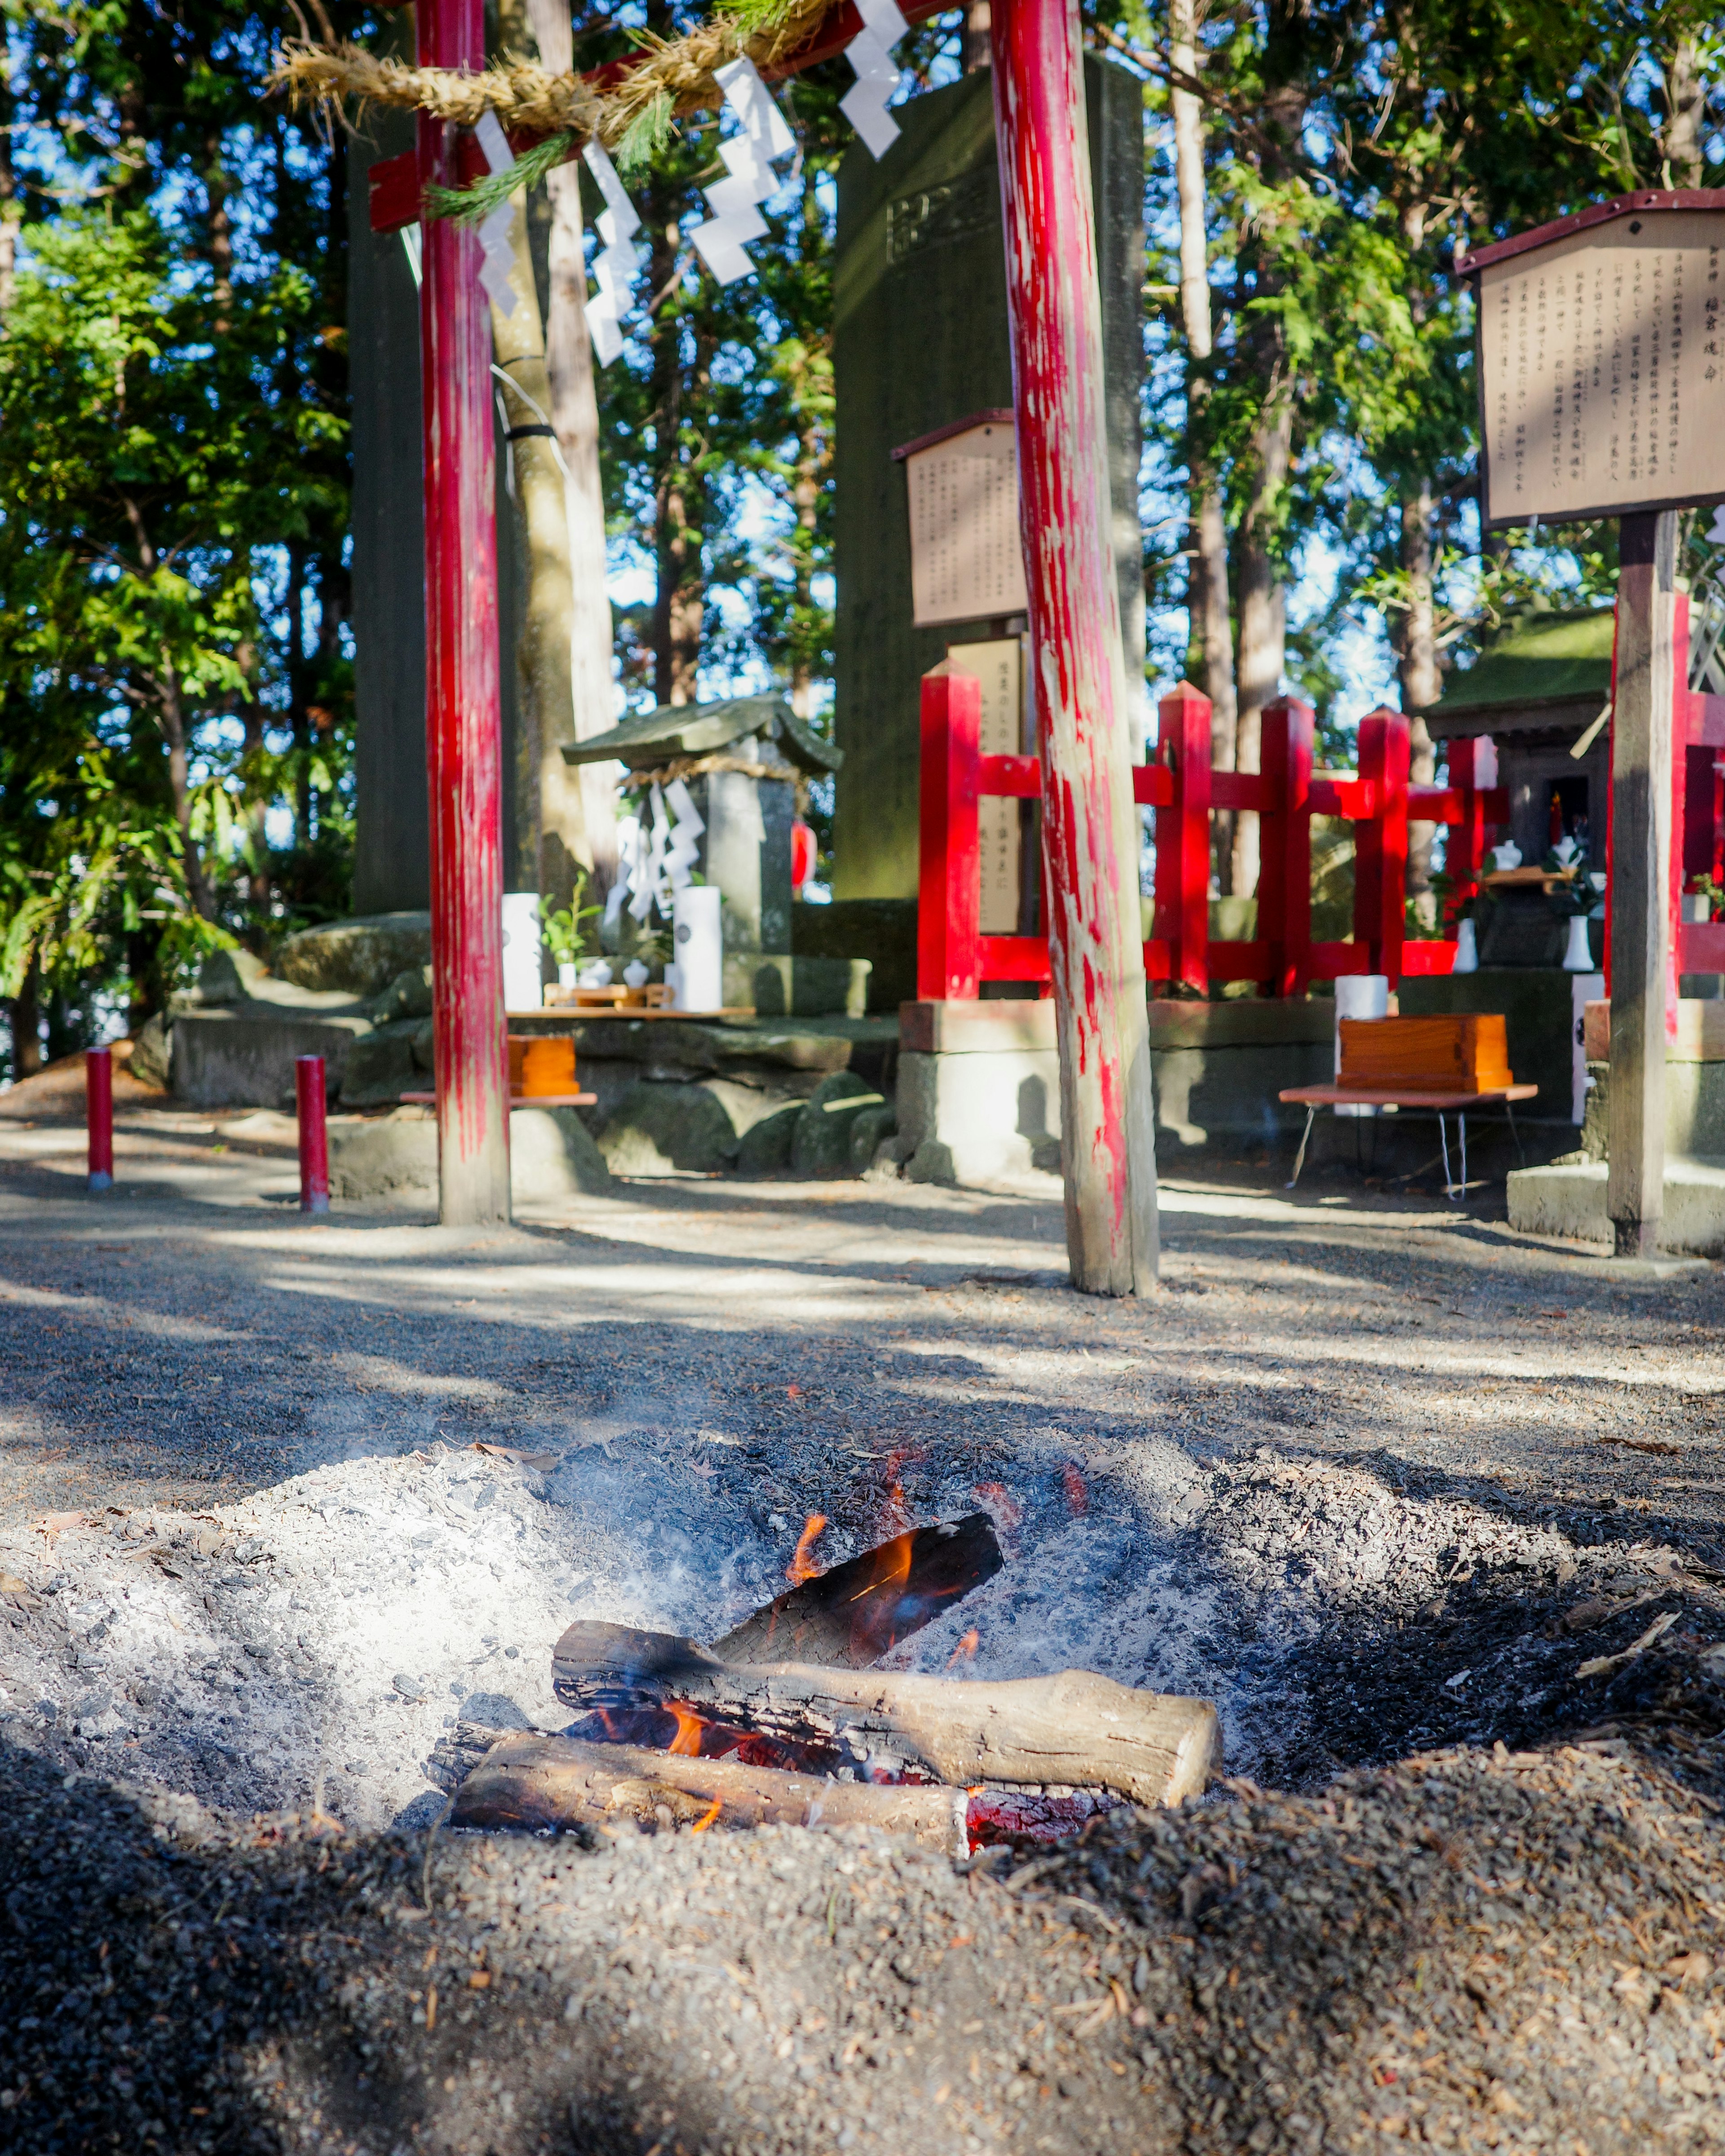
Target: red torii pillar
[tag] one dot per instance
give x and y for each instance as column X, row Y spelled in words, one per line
column 463, row 709
column 1090, row 821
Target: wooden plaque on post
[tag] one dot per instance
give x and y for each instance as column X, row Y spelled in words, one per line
column 1602, row 360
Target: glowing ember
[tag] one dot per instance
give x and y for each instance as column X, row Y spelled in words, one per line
column 803, row 1566
column 966, row 1647
column 1077, row 1497
column 687, row 1745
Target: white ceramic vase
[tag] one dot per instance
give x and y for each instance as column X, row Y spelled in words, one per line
column 597, row 975
column 567, row 974
column 1467, row 949
column 1578, row 957
column 635, row 975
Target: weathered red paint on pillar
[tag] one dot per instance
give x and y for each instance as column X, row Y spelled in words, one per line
column 948, row 919
column 310, row 1104
column 99, row 1115
column 463, row 720
column 1095, row 955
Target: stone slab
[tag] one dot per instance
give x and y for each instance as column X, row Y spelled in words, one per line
column 1569, row 1201
column 241, row 1056
column 552, row 1156
column 360, row 957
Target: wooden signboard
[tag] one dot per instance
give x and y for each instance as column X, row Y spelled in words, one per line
column 966, row 557
column 1602, row 360
column 998, row 665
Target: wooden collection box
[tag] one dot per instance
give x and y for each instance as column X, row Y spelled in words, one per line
column 541, row 1065
column 1461, row 1052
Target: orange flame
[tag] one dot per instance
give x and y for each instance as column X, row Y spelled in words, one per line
column 802, row 1566
column 689, row 1726
column 1077, row 1497
column 706, row 1819
column 966, row 1647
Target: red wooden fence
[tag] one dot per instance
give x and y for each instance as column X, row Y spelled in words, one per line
column 954, row 958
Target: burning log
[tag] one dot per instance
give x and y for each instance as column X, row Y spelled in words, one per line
column 851, row 1616
column 536, row 1782
column 1076, row 1729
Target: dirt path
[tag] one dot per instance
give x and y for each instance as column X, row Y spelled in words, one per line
column 280, row 1501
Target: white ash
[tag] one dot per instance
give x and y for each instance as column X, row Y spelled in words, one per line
column 313, row 1642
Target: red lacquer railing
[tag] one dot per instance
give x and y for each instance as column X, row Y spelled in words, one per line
column 954, row 958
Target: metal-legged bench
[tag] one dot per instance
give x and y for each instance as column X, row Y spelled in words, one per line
column 1443, row 1105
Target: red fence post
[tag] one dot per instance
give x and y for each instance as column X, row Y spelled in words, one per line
column 1473, row 773
column 98, row 1115
column 1094, row 938
column 1183, row 837
column 1285, row 755
column 1380, row 861
column 949, row 879
column 463, row 711
column 313, row 1134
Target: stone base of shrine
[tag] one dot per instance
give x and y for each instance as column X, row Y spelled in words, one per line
column 979, row 1083
column 1569, row 1200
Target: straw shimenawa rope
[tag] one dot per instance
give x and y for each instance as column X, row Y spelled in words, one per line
column 674, row 77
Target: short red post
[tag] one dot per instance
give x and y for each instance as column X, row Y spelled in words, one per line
column 1094, row 940
column 1473, row 773
column 463, row 714
column 949, row 882
column 313, row 1134
column 1183, row 837
column 98, row 1115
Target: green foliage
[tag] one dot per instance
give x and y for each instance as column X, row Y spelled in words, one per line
column 566, row 929
column 473, row 205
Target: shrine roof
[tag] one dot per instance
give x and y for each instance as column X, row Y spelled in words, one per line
column 1538, row 660
column 675, row 731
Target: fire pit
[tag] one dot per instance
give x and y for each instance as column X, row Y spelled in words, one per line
column 785, row 1720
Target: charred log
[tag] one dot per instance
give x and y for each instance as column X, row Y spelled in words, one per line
column 1075, row 1729
column 851, row 1616
column 536, row 1782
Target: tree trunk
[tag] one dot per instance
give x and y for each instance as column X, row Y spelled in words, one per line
column 9, row 211
column 179, row 779
column 1421, row 682
column 1685, row 88
column 298, row 718
column 978, row 49
column 26, row 1024
column 679, row 601
column 548, row 804
column 1209, row 614
column 1263, row 613
column 1263, row 601
column 217, row 187
column 575, row 415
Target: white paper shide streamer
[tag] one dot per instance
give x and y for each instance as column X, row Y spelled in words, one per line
column 870, row 53
column 748, row 160
column 654, row 858
column 494, row 233
column 616, row 266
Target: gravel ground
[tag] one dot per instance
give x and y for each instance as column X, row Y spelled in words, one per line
column 280, row 1501
column 1479, row 1949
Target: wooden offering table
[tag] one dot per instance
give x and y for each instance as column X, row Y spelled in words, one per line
column 1442, row 1065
